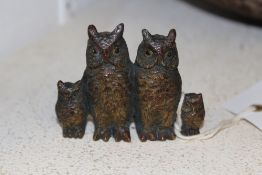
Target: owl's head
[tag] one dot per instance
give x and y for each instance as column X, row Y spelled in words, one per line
column 68, row 90
column 158, row 50
column 192, row 104
column 106, row 47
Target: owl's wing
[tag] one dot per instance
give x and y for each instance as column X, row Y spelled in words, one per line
column 84, row 91
column 179, row 89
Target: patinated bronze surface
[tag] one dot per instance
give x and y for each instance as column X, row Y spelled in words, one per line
column 157, row 86
column 107, row 83
column 192, row 114
column 114, row 90
column 71, row 109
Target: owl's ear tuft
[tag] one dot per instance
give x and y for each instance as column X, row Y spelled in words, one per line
column 77, row 85
column 91, row 31
column 119, row 30
column 172, row 35
column 60, row 84
column 146, row 35
column 199, row 96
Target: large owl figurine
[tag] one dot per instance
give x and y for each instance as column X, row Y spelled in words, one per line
column 158, row 86
column 107, row 83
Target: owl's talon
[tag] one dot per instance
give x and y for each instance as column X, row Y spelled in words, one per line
column 166, row 134
column 126, row 136
column 65, row 133
column 103, row 134
column 74, row 132
column 171, row 136
column 142, row 137
column 151, row 136
column 197, row 131
column 96, row 135
column 80, row 134
column 105, row 138
column 117, row 138
column 190, row 132
column 122, row 134
column 117, row 135
column 162, row 137
column 148, row 135
column 106, row 135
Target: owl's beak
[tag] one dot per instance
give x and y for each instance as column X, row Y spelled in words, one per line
column 105, row 54
column 160, row 59
column 161, row 55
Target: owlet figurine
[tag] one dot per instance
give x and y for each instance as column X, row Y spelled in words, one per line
column 71, row 109
column 158, row 86
column 192, row 114
column 107, row 83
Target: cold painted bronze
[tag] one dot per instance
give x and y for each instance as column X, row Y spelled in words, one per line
column 113, row 90
column 157, row 86
column 107, row 83
column 71, row 109
column 192, row 114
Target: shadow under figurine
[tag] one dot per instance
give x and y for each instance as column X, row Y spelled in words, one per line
column 107, row 83
column 158, row 86
column 192, row 114
column 71, row 109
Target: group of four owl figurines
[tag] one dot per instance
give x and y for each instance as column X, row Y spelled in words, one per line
column 116, row 92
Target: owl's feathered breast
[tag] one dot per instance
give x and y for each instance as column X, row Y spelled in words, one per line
column 158, row 88
column 71, row 111
column 193, row 115
column 108, row 86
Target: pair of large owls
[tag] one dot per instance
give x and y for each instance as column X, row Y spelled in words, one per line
column 114, row 90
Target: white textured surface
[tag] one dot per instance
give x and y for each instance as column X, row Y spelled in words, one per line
column 218, row 57
column 25, row 21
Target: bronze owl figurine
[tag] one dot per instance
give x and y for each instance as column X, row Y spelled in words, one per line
column 157, row 86
column 107, row 83
column 192, row 114
column 71, row 109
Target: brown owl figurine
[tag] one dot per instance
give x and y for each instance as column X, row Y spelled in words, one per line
column 192, row 114
column 71, row 109
column 107, row 83
column 157, row 86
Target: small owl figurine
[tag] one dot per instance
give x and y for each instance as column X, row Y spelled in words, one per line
column 192, row 114
column 71, row 109
column 107, row 83
column 157, row 86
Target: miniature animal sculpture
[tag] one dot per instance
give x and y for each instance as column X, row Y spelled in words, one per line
column 157, row 86
column 107, row 83
column 71, row 109
column 192, row 114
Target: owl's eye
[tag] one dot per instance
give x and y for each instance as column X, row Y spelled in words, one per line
column 116, row 50
column 148, row 52
column 169, row 54
column 94, row 51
